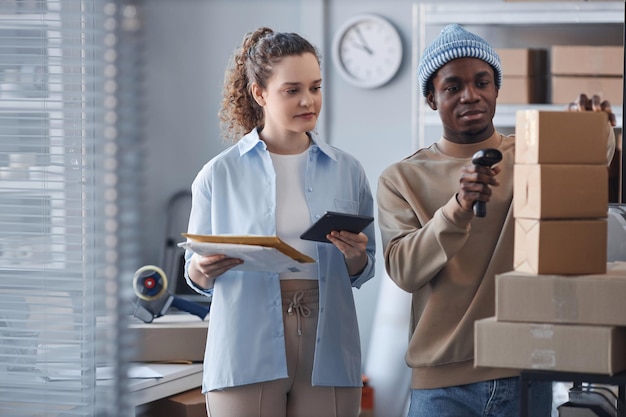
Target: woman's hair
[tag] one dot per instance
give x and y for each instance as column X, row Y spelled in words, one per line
column 253, row 62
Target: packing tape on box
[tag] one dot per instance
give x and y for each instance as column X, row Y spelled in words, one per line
column 565, row 300
column 543, row 359
column 541, row 331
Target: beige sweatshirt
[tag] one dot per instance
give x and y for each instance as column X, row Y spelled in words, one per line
column 446, row 257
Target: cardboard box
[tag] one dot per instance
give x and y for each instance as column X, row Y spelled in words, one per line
column 522, row 62
column 170, row 338
column 547, row 191
column 587, row 60
column 556, row 347
column 582, row 299
column 522, row 90
column 560, row 137
column 566, row 89
column 560, row 247
column 187, row 404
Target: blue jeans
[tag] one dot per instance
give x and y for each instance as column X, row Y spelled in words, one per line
column 495, row 398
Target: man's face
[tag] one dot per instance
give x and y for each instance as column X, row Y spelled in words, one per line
column 465, row 96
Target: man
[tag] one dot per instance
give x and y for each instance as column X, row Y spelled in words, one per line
column 436, row 248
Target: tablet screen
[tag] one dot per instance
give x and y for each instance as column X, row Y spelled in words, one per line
column 332, row 220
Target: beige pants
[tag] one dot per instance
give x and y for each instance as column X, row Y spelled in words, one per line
column 294, row 396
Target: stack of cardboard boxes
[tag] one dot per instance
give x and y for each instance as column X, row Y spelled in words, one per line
column 531, row 77
column 561, row 308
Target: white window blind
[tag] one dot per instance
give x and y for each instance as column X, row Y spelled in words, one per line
column 69, row 157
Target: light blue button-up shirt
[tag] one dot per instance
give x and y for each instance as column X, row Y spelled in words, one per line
column 235, row 193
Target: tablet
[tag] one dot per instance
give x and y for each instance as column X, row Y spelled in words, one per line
column 332, row 220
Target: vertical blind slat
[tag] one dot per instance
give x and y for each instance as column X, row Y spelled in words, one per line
column 58, row 275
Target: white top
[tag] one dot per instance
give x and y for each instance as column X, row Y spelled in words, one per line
column 292, row 212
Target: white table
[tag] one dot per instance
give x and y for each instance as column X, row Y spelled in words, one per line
column 176, row 378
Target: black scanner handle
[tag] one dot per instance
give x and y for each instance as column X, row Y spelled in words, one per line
column 487, row 158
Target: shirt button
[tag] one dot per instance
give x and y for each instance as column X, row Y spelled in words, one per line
column 309, row 189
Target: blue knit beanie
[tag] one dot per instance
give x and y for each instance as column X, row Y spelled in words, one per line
column 455, row 42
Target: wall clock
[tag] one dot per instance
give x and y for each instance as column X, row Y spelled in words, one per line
column 367, row 50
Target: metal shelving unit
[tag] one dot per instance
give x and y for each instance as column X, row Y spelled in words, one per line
column 522, row 15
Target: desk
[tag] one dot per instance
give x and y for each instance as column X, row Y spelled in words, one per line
column 526, row 376
column 177, row 378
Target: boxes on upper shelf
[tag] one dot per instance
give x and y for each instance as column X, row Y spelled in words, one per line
column 547, row 191
column 581, row 299
column 522, row 62
column 587, row 60
column 523, row 90
column 566, row 89
column 562, row 247
column 557, row 347
column 589, row 69
column 566, row 137
column 524, row 75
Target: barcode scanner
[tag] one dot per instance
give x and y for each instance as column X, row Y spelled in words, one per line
column 486, row 158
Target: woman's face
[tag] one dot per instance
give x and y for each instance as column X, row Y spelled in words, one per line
column 292, row 99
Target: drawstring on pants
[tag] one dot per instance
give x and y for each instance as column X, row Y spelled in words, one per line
column 300, row 309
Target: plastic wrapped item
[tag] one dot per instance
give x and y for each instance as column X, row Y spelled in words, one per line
column 616, row 248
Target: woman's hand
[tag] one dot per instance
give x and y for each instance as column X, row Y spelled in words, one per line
column 203, row 270
column 353, row 246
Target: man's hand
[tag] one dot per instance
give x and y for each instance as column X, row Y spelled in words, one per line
column 475, row 184
column 595, row 103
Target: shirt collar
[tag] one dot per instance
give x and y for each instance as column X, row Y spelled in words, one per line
column 252, row 140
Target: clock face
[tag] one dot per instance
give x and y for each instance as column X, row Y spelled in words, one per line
column 367, row 51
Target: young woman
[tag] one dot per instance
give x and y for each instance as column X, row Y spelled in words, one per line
column 280, row 344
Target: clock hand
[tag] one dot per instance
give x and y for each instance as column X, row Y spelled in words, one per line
column 363, row 41
column 363, row 47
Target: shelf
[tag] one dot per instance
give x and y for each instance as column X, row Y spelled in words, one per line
column 506, row 113
column 523, row 16
column 531, row 13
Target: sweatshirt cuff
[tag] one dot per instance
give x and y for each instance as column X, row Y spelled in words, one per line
column 457, row 215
